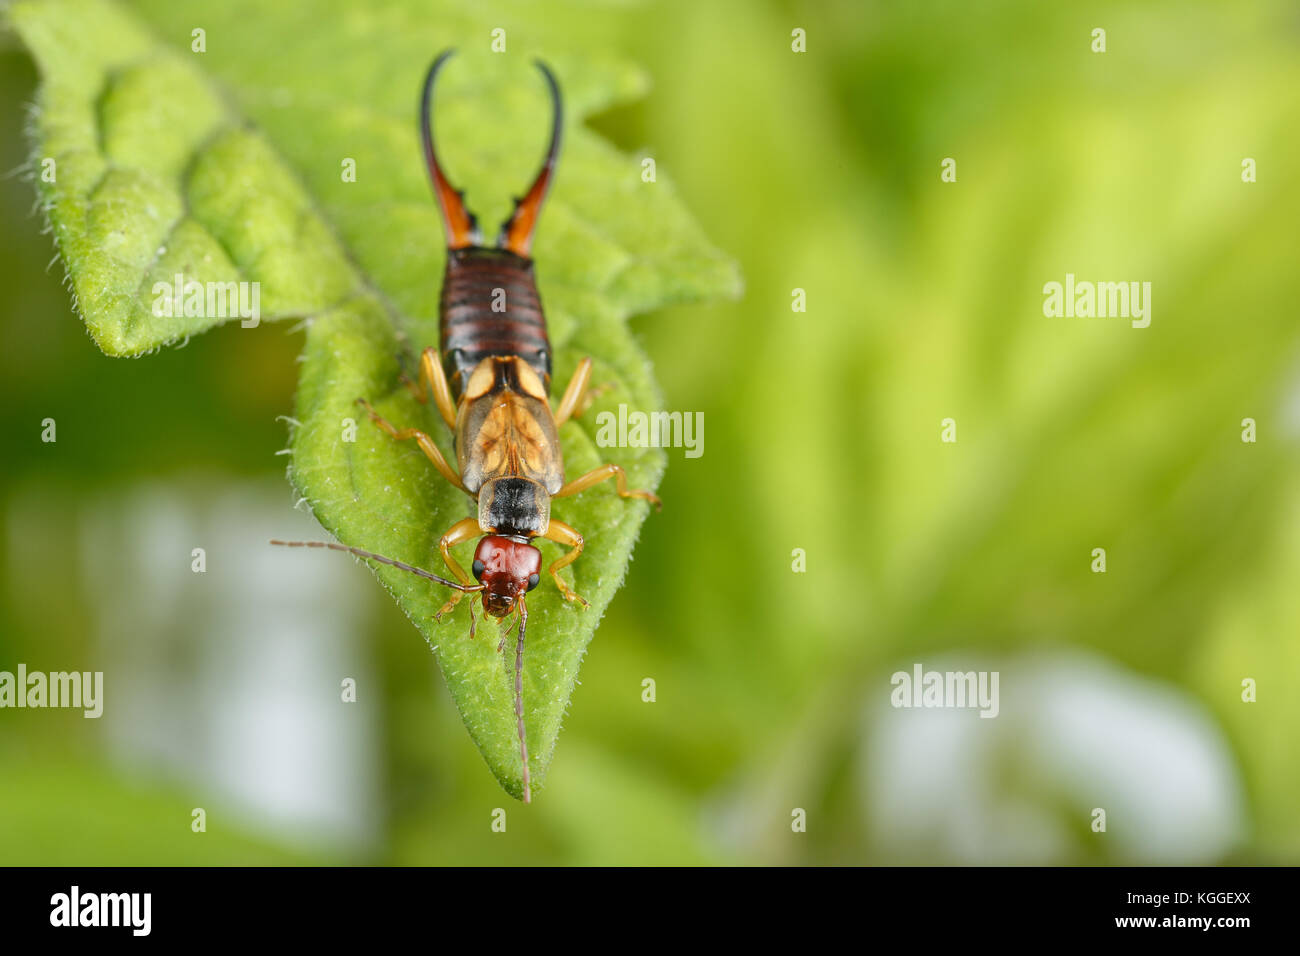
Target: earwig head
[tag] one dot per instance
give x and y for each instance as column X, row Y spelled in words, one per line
column 508, row 568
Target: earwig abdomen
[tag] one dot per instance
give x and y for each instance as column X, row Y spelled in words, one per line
column 490, row 306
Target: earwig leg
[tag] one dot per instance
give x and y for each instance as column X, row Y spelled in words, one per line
column 432, row 380
column 417, row 392
column 517, row 231
column 593, row 393
column 604, row 473
column 580, row 394
column 466, row 529
column 414, row 388
column 561, row 533
column 425, row 442
column 574, row 394
column 435, row 380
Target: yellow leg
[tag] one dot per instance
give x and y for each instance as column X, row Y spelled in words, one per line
column 417, row 393
column 574, row 393
column 466, row 529
column 579, row 395
column 432, row 379
column 561, row 533
column 424, row 441
column 435, row 379
column 604, row 473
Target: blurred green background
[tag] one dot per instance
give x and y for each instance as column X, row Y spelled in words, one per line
column 818, row 171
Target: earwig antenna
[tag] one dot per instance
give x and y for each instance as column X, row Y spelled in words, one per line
column 519, row 696
column 517, row 231
column 371, row 556
column 460, row 223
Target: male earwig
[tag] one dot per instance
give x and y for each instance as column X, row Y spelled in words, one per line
column 492, row 385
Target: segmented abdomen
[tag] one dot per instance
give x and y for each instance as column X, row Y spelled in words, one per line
column 476, row 280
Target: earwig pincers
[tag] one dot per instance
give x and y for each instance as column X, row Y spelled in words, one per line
column 491, row 382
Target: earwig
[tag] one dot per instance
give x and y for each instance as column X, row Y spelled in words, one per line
column 491, row 385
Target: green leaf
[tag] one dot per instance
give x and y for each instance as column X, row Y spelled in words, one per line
column 225, row 165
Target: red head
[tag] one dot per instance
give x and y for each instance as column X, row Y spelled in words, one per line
column 508, row 568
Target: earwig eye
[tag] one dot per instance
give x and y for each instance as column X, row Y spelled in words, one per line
column 477, row 569
column 533, row 580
